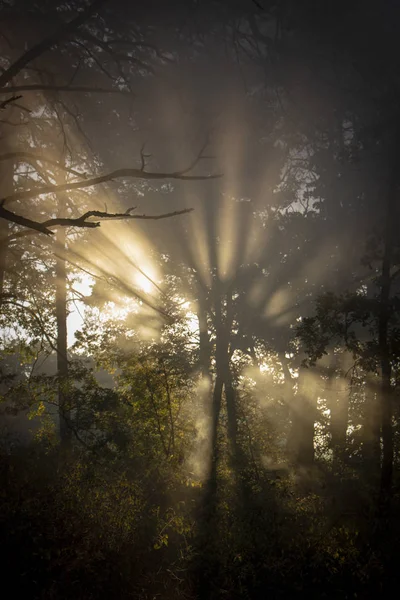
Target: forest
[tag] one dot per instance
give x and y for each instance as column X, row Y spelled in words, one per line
column 199, row 299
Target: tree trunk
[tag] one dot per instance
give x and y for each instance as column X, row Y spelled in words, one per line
column 6, row 189
column 204, row 342
column 62, row 355
column 232, row 417
column 305, row 442
column 216, row 410
column 301, row 437
column 338, row 404
column 339, row 422
column 383, row 335
column 371, row 444
column 3, row 252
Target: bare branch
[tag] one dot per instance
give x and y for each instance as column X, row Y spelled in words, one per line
column 24, row 221
column 116, row 56
column 40, row 87
column 81, row 221
column 96, row 60
column 115, row 282
column 258, row 4
column 31, row 156
column 119, row 173
column 13, row 124
column 5, row 103
column 140, row 44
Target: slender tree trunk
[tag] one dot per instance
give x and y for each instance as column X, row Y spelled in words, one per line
column 3, row 253
column 216, row 410
column 223, row 382
column 204, row 342
column 383, row 334
column 371, row 444
column 232, row 416
column 171, row 442
column 6, row 189
column 338, row 404
column 339, row 425
column 301, row 437
column 224, row 374
column 209, row 537
column 305, row 447
column 230, row 395
column 62, row 352
column 387, row 413
column 208, row 517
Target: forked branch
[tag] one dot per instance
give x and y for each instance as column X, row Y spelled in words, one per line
column 118, row 174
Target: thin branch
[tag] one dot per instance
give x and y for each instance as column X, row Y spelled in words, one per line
column 119, row 173
column 5, row 103
column 132, row 43
column 5, row 122
column 96, row 60
column 5, row 300
column 81, row 221
column 39, row 158
column 41, row 87
column 117, row 283
column 117, row 57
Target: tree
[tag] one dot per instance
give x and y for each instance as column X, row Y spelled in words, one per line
column 81, row 180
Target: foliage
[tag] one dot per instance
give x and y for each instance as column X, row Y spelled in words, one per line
column 231, row 394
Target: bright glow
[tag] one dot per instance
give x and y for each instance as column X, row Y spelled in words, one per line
column 144, row 283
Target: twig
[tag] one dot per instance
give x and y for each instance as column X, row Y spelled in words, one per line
column 5, row 103
column 40, row 87
column 39, row 158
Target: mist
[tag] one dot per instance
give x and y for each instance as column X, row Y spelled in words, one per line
column 199, row 298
